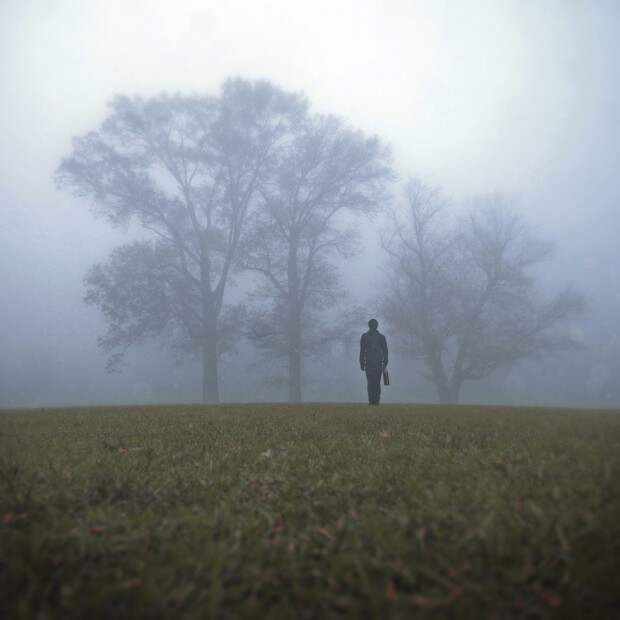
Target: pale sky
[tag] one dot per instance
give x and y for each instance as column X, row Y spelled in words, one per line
column 474, row 94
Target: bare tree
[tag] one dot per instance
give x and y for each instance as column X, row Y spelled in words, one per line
column 461, row 296
column 326, row 171
column 187, row 169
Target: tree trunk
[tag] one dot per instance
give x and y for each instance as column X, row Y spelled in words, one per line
column 447, row 391
column 448, row 395
column 294, row 371
column 210, row 387
column 293, row 326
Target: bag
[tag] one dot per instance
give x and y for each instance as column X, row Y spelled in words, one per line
column 386, row 377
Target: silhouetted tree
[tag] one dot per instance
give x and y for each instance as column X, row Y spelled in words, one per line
column 460, row 296
column 326, row 172
column 187, row 169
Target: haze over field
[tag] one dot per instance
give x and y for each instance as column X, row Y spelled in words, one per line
column 472, row 97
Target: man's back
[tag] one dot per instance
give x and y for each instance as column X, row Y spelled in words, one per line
column 374, row 347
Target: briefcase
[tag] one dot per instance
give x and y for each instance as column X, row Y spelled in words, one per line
column 386, row 377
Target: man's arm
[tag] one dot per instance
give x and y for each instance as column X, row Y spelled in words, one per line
column 363, row 352
column 385, row 352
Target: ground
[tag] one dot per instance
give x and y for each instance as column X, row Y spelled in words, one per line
column 309, row 511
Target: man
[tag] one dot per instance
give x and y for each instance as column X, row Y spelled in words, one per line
column 373, row 359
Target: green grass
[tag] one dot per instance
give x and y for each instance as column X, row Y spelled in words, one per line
column 309, row 511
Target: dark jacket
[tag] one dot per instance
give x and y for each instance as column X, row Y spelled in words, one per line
column 373, row 349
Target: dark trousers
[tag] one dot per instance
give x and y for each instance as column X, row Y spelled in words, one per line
column 373, row 378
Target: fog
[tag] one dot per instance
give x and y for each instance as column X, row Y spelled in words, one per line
column 472, row 97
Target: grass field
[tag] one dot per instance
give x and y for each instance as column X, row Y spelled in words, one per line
column 309, row 511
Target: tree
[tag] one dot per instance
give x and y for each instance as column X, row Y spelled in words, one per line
column 461, row 297
column 187, row 169
column 326, row 171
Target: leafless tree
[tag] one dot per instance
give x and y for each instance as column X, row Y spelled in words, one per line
column 461, row 296
column 187, row 169
column 328, row 170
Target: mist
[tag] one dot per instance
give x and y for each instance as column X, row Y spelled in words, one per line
column 472, row 98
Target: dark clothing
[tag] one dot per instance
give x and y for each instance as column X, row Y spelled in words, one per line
column 373, row 359
column 373, row 379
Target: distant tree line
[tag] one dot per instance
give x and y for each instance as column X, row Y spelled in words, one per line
column 251, row 182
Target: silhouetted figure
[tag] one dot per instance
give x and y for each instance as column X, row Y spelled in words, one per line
column 373, row 359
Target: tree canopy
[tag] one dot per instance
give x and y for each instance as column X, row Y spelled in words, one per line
column 327, row 170
column 187, row 169
column 461, row 296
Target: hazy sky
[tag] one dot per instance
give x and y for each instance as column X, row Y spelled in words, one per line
column 520, row 96
column 471, row 93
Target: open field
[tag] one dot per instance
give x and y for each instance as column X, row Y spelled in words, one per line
column 309, row 511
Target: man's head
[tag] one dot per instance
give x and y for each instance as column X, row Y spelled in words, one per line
column 373, row 324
